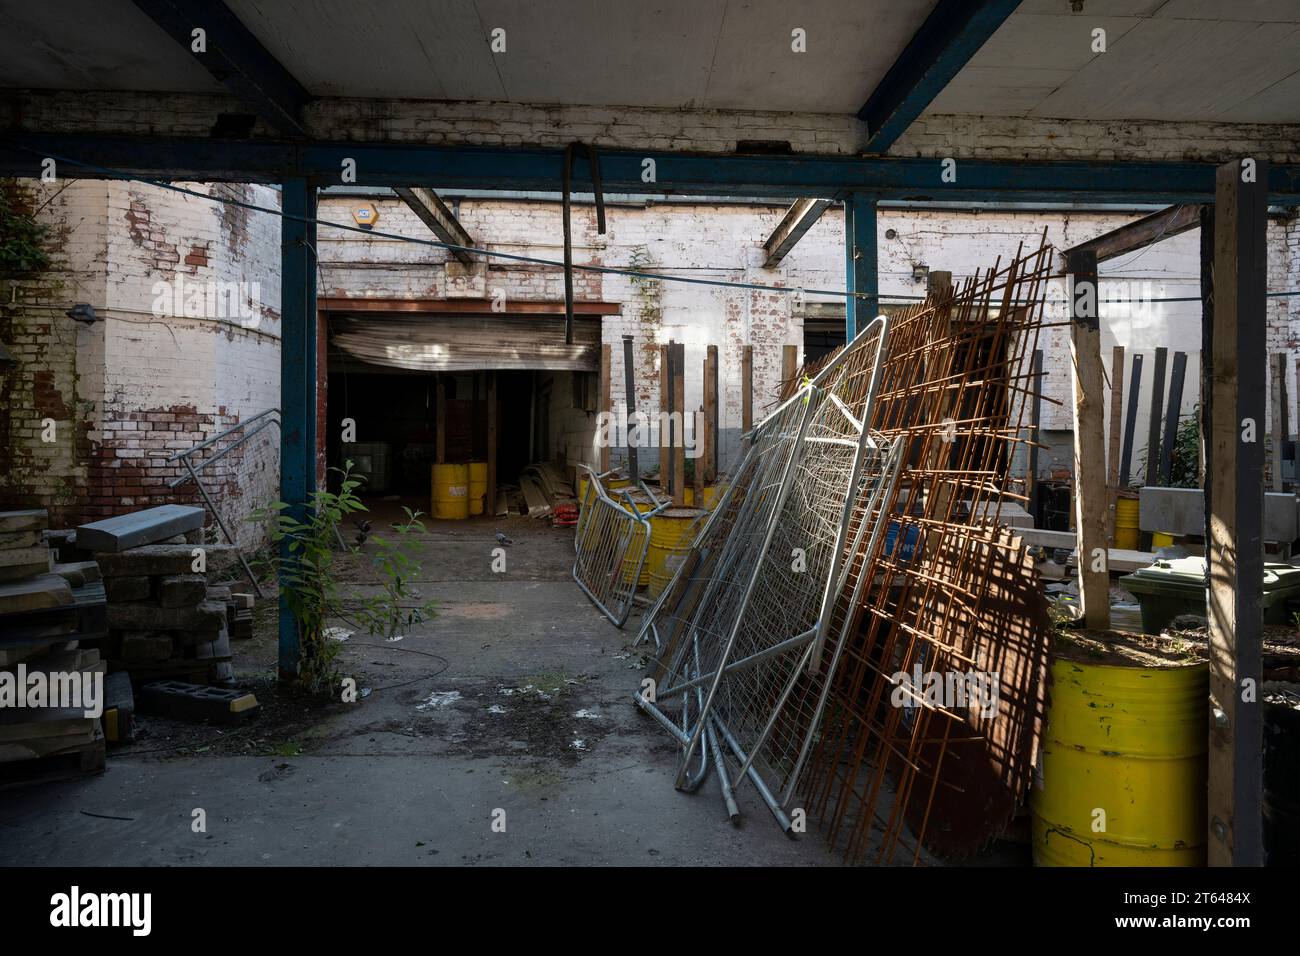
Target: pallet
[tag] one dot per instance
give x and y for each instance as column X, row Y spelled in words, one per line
column 82, row 761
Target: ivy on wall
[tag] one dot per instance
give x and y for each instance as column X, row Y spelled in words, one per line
column 22, row 238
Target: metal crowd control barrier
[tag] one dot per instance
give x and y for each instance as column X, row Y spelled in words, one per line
column 611, row 543
column 742, row 635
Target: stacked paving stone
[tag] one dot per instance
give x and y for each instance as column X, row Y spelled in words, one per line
column 164, row 619
column 46, row 611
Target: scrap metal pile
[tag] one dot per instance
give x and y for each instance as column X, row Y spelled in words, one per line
column 852, row 631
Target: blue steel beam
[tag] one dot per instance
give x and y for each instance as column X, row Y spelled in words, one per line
column 534, row 168
column 235, row 58
column 297, row 378
column 949, row 37
column 861, row 263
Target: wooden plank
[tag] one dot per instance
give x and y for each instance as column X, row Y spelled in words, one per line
column 678, row 373
column 1090, row 496
column 1116, row 411
column 1153, row 421
column 1234, row 491
column 491, row 496
column 1143, row 232
column 149, row 526
column 1130, row 423
column 1176, row 378
column 747, row 389
column 606, row 400
column 1277, row 403
column 34, row 594
column 440, row 425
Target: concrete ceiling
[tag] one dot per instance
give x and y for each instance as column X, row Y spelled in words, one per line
column 1230, row 60
column 93, row 45
column 708, row 54
column 1192, row 60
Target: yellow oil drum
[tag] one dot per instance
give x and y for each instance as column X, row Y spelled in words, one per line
column 633, row 553
column 707, row 500
column 1161, row 540
column 1126, row 523
column 477, row 486
column 1122, row 777
column 451, row 491
column 670, row 534
column 610, row 484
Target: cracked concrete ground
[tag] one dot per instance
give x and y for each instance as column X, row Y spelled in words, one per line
column 516, row 697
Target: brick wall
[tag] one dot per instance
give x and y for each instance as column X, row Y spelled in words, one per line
column 514, row 124
column 724, row 242
column 148, row 379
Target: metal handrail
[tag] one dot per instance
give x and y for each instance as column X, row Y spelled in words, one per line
column 193, row 470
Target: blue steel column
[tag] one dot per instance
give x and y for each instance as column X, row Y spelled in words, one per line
column 861, row 263
column 297, row 375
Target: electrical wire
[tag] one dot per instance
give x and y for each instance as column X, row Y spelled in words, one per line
column 534, row 260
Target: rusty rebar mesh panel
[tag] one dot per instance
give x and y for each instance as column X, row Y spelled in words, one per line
column 953, row 594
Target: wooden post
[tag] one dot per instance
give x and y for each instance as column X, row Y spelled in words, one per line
column 1116, row 411
column 711, row 410
column 490, row 505
column 665, row 405
column 634, row 434
column 747, row 389
column 1113, row 439
column 678, row 373
column 1153, row 434
column 1090, row 496
column 1277, row 376
column 940, row 453
column 1035, row 419
column 440, row 418
column 1234, row 493
column 789, row 366
column 606, row 403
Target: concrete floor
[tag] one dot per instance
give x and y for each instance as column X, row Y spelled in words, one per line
column 413, row 773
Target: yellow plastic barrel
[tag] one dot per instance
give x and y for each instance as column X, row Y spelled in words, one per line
column 1123, row 773
column 669, row 534
column 477, row 486
column 1161, row 540
column 1126, row 523
column 451, row 491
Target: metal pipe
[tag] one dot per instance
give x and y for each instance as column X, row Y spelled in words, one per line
column 759, row 785
column 222, row 434
column 224, row 530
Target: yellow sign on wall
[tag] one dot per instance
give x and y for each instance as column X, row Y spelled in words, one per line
column 365, row 214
